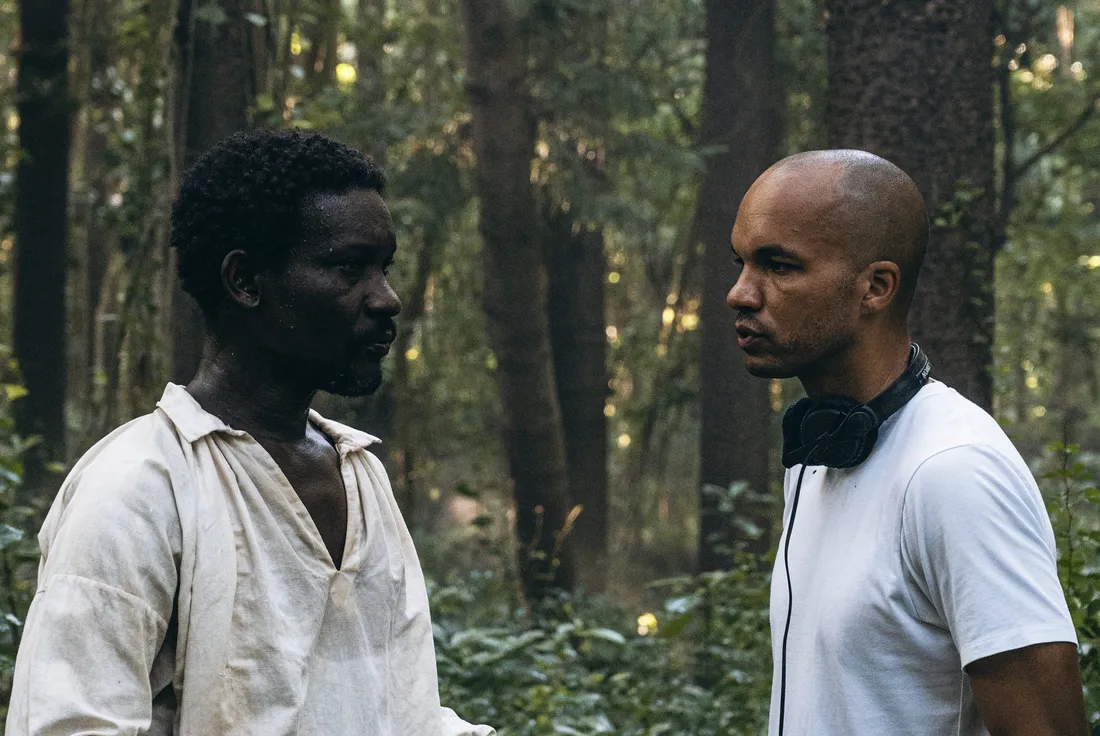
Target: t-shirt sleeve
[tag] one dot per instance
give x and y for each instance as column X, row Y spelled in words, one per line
column 978, row 544
column 102, row 609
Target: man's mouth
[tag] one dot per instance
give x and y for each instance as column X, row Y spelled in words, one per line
column 378, row 349
column 377, row 342
column 748, row 337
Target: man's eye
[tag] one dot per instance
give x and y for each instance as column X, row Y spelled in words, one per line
column 780, row 267
column 352, row 266
column 386, row 267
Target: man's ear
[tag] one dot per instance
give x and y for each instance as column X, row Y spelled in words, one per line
column 881, row 282
column 241, row 278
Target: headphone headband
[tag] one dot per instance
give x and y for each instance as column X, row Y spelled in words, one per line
column 898, row 393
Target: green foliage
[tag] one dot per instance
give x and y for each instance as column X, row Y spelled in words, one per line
column 1074, row 506
column 698, row 666
column 18, row 550
column 1047, row 345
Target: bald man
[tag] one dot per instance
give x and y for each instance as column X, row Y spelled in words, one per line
column 915, row 590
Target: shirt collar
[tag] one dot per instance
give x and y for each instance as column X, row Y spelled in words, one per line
column 347, row 439
column 194, row 423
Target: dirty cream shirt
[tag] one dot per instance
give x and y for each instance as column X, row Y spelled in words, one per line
column 184, row 589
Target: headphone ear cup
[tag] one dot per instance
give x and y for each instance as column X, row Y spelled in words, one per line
column 833, row 431
column 792, row 423
column 826, row 416
column 855, row 438
column 806, row 422
column 794, row 449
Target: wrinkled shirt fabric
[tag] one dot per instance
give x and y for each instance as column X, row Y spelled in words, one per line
column 184, row 589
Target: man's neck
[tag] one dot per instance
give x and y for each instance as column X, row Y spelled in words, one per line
column 863, row 372
column 245, row 394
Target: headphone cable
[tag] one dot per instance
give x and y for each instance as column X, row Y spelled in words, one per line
column 790, row 596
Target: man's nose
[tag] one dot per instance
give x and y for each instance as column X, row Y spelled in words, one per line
column 385, row 300
column 745, row 294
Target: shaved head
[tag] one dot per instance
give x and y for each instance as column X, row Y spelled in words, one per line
column 830, row 244
column 869, row 208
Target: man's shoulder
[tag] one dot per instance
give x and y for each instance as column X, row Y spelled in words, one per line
column 135, row 468
column 116, row 521
column 952, row 448
column 940, row 421
column 146, row 447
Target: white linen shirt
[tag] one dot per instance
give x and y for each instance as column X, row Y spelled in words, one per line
column 184, row 589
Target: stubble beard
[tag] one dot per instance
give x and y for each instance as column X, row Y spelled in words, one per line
column 351, row 384
column 802, row 356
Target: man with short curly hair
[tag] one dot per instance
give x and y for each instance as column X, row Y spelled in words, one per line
column 234, row 563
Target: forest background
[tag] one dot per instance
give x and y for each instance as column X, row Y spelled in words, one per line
column 591, row 475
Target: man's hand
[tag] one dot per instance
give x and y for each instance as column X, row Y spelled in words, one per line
column 1035, row 691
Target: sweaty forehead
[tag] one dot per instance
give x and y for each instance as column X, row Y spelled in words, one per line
column 360, row 214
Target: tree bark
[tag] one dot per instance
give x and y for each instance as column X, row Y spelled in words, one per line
column 41, row 227
column 939, row 129
column 575, row 264
column 215, row 94
column 741, row 118
column 515, row 292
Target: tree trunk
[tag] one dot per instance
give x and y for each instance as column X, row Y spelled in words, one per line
column 939, row 129
column 41, row 227
column 515, row 292
column 324, row 41
column 411, row 313
column 93, row 183
column 214, row 96
column 575, row 264
column 740, row 115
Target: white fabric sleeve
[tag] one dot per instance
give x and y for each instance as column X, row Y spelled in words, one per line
column 455, row 726
column 101, row 611
column 978, row 543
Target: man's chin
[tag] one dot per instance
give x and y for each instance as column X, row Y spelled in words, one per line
column 354, row 386
column 761, row 368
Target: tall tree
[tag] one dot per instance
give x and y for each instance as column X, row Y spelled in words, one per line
column 575, row 264
column 938, row 127
column 740, row 123
column 215, row 91
column 324, row 35
column 515, row 295
column 41, row 225
column 94, row 49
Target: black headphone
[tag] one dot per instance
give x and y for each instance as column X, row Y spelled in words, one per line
column 840, row 432
column 837, row 432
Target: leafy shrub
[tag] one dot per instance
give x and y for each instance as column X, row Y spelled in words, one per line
column 1073, row 500
column 699, row 667
column 18, row 551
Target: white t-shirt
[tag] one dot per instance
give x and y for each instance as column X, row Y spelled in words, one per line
column 185, row 590
column 935, row 552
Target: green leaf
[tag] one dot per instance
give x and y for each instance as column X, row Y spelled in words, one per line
column 14, row 391
column 606, row 634
column 682, row 604
column 9, row 535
